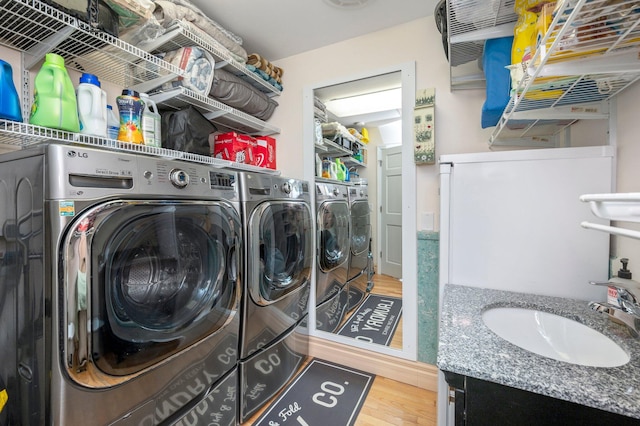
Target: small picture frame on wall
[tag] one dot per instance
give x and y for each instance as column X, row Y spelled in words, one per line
column 424, row 127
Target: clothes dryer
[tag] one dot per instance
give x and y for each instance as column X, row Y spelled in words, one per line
column 119, row 285
column 332, row 253
column 360, row 271
column 277, row 269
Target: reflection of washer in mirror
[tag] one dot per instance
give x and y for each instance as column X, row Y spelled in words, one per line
column 333, row 244
column 329, row 242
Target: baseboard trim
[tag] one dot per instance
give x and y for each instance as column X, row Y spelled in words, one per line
column 414, row 373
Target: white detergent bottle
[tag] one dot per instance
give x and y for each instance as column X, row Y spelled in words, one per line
column 113, row 124
column 151, row 125
column 92, row 106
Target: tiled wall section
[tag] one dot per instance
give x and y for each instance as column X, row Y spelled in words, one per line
column 428, row 256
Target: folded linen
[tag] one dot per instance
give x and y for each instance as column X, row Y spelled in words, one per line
column 233, row 91
column 167, row 11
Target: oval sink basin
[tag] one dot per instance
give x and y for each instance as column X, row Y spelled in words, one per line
column 555, row 337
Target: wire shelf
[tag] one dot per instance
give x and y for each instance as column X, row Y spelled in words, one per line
column 37, row 28
column 588, row 56
column 22, row 135
column 182, row 36
column 217, row 112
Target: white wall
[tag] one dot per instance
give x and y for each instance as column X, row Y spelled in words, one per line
column 457, row 114
column 628, row 173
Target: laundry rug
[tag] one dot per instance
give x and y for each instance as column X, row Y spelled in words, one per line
column 375, row 321
column 322, row 394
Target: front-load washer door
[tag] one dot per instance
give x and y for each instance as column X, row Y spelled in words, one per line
column 333, row 248
column 360, row 227
column 147, row 279
column 280, row 239
column 333, row 230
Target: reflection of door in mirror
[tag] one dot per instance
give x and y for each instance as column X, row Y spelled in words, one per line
column 352, row 300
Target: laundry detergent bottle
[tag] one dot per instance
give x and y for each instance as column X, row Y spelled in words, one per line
column 92, row 106
column 54, row 97
column 151, row 124
column 113, row 123
column 130, row 107
column 9, row 100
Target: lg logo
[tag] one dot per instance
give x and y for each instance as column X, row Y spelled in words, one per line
column 73, row 154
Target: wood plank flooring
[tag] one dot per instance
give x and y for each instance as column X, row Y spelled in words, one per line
column 390, row 402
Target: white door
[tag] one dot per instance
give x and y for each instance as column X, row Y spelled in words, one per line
column 390, row 210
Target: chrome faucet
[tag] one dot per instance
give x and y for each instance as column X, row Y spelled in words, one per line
column 627, row 311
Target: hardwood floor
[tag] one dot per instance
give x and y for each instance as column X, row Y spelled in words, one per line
column 394, row 403
column 389, row 403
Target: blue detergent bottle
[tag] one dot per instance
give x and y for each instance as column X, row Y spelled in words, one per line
column 9, row 100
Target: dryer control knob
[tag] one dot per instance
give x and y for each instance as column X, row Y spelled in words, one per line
column 179, row 178
column 336, row 191
column 286, row 188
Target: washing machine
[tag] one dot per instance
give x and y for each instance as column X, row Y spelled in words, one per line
column 120, row 288
column 360, row 271
column 278, row 261
column 332, row 253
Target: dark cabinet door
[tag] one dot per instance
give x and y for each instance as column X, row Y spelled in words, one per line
column 480, row 403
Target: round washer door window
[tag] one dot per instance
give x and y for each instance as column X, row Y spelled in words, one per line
column 165, row 273
column 160, row 276
column 281, row 250
column 333, row 239
column 360, row 227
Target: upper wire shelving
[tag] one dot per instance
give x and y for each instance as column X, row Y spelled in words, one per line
column 588, row 55
column 35, row 28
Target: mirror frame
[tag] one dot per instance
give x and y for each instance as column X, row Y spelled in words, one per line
column 409, row 215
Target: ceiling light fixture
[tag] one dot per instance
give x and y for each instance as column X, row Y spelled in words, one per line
column 348, row 4
column 384, row 100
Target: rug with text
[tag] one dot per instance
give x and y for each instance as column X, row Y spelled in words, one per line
column 375, row 321
column 322, row 394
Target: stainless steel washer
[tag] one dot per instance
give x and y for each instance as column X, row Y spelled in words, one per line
column 277, row 269
column 360, row 271
column 332, row 253
column 119, row 285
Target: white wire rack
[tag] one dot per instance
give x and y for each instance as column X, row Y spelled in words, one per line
column 36, row 28
column 182, row 36
column 624, row 207
column 588, row 56
column 222, row 115
column 22, row 135
column 469, row 24
column 590, row 53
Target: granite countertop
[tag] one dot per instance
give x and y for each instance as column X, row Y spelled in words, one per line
column 468, row 347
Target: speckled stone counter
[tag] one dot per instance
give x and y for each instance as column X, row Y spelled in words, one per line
column 468, row 347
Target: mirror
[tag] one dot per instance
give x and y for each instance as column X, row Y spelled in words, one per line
column 352, row 305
